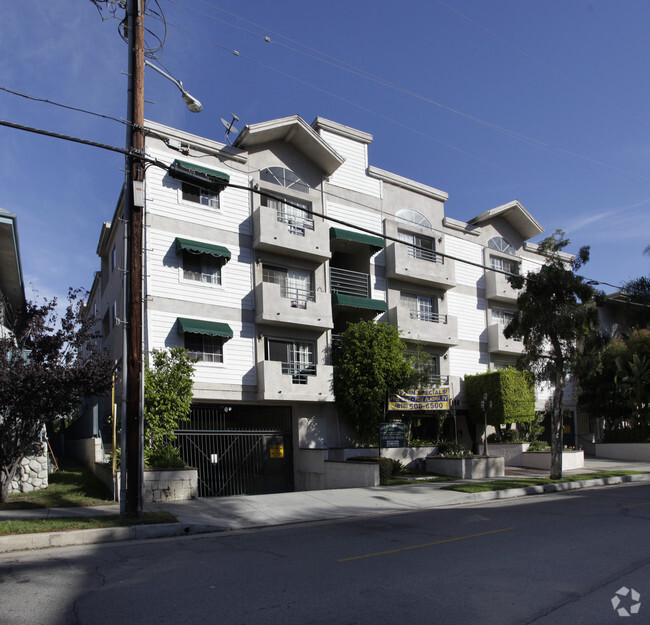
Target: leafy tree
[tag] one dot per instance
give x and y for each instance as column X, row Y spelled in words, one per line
column 46, row 366
column 369, row 361
column 511, row 392
column 167, row 401
column 637, row 312
column 555, row 313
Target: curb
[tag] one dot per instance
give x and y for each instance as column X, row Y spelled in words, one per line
column 44, row 540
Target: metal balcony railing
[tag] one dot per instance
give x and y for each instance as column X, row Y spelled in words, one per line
column 424, row 254
column 348, row 282
column 431, row 317
column 298, row 371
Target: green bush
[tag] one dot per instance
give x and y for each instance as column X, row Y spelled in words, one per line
column 387, row 466
column 450, row 448
column 167, row 457
column 539, row 446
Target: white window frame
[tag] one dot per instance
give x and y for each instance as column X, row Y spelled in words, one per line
column 206, row 276
column 213, row 357
column 422, row 307
column 207, row 199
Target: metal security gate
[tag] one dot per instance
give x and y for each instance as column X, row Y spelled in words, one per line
column 243, row 450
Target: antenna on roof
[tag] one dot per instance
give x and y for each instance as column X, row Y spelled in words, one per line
column 229, row 127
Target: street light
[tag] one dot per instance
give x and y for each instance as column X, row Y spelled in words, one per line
column 485, row 406
column 192, row 103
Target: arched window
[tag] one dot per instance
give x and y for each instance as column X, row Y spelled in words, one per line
column 284, row 177
column 501, row 245
column 409, row 216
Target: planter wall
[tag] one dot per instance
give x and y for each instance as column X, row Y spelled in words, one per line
column 512, row 453
column 159, row 484
column 467, row 468
column 639, row 452
column 408, row 456
column 542, row 459
column 315, row 470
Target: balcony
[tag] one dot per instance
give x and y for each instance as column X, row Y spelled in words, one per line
column 404, row 262
column 498, row 288
column 276, row 304
column 430, row 328
column 499, row 344
column 277, row 231
column 280, row 381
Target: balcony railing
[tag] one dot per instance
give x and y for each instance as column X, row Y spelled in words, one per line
column 298, row 371
column 425, row 254
column 349, row 282
column 431, row 317
column 297, row 223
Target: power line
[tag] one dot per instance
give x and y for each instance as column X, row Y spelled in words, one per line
column 342, row 65
column 543, row 65
column 64, row 106
column 157, row 163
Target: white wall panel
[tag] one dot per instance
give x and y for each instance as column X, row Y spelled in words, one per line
column 165, row 274
column 163, row 197
column 466, row 274
column 352, row 174
column 238, row 353
column 470, row 312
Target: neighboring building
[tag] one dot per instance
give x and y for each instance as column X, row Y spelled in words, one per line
column 257, row 289
column 12, row 288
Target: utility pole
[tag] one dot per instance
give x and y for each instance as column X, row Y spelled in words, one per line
column 133, row 211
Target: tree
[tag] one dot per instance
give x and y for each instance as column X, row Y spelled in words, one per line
column 369, row 361
column 511, row 392
column 636, row 313
column 46, row 366
column 167, row 401
column 555, row 313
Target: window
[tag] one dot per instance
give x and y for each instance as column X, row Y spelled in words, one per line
column 501, row 245
column 284, row 178
column 422, row 307
column 425, row 245
column 113, row 259
column 297, row 358
column 427, row 367
column 410, row 216
column 504, row 317
column 202, row 267
column 192, row 193
column 114, row 319
column 293, row 214
column 504, row 264
column 295, row 284
column 204, row 347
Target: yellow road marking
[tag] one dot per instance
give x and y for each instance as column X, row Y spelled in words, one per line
column 438, row 542
column 636, row 505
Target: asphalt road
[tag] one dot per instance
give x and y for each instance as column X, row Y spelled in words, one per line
column 553, row 559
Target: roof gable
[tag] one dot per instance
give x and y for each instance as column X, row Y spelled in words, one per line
column 515, row 215
column 295, row 131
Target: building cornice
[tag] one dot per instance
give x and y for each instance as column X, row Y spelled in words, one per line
column 406, row 183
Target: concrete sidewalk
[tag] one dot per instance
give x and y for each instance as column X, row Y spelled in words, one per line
column 255, row 511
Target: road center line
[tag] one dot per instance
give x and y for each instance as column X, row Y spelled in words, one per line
column 636, row 505
column 438, row 542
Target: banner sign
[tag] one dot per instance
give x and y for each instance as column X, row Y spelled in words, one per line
column 392, row 434
column 420, row 399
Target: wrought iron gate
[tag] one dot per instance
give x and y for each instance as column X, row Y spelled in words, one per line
column 239, row 451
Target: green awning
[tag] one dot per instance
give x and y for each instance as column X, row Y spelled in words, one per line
column 197, row 326
column 375, row 243
column 202, row 248
column 352, row 301
column 202, row 170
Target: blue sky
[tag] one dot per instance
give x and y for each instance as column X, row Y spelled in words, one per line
column 543, row 102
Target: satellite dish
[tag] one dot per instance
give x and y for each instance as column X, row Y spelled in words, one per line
column 228, row 125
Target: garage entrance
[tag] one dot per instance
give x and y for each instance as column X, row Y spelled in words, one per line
column 239, row 450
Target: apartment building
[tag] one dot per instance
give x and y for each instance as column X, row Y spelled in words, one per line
column 256, row 281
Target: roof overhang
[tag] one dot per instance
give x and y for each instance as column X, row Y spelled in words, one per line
column 11, row 273
column 514, row 214
column 297, row 132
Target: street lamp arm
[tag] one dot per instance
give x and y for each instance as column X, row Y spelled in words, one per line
column 192, row 103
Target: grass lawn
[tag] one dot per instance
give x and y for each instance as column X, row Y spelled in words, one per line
column 63, row 524
column 73, row 485
column 480, row 487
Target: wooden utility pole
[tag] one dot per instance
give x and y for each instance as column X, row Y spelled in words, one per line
column 133, row 211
